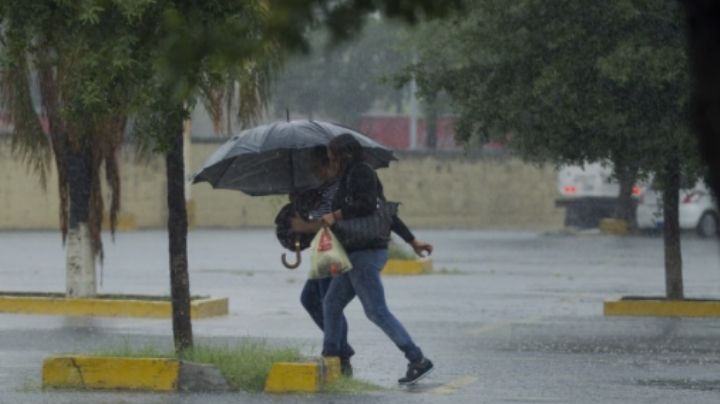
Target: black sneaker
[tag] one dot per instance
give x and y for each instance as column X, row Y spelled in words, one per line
column 416, row 371
column 346, row 368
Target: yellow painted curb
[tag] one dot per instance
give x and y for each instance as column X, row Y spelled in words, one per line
column 331, row 369
column 662, row 308
column 291, row 377
column 302, row 377
column 96, row 372
column 613, row 226
column 205, row 308
column 59, row 306
column 408, row 267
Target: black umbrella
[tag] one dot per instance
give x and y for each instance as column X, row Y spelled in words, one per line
column 276, row 158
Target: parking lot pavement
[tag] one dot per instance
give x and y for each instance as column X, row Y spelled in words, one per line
column 508, row 317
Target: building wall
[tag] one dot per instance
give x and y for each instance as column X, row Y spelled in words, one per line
column 435, row 191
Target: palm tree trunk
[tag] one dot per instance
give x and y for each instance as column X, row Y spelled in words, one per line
column 671, row 229
column 177, row 234
column 80, row 267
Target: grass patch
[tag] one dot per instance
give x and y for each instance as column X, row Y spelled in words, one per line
column 245, row 366
column 131, row 351
column 348, row 385
column 400, row 252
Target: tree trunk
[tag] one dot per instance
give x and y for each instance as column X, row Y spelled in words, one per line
column 431, row 121
column 80, row 278
column 703, row 27
column 177, row 234
column 626, row 206
column 671, row 229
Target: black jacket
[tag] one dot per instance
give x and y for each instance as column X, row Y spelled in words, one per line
column 357, row 196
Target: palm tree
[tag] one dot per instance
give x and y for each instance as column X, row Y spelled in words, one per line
column 51, row 50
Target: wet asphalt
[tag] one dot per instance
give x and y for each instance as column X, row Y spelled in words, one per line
column 508, row 317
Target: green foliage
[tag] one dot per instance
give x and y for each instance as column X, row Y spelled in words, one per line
column 82, row 57
column 567, row 81
column 245, row 366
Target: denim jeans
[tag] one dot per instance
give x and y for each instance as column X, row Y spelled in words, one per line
column 312, row 300
column 363, row 280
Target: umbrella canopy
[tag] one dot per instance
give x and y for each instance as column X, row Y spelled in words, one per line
column 277, row 158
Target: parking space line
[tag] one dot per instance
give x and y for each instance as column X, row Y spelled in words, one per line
column 572, row 299
column 504, row 324
column 453, row 385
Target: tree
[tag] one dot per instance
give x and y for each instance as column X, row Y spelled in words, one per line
column 195, row 57
column 98, row 59
column 341, row 81
column 60, row 48
column 196, row 53
column 576, row 81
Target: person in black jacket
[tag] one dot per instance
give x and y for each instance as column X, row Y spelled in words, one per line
column 357, row 196
column 314, row 290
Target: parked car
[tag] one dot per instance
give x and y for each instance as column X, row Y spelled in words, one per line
column 698, row 210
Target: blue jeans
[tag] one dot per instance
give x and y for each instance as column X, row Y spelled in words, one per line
column 363, row 280
column 312, row 300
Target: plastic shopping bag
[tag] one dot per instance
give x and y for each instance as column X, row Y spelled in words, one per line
column 328, row 256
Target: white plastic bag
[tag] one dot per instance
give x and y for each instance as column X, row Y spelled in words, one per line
column 327, row 256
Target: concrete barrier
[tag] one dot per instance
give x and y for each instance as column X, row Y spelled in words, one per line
column 120, row 373
column 662, row 307
column 88, row 372
column 62, row 306
column 436, row 190
column 616, row 227
column 408, row 267
column 302, row 377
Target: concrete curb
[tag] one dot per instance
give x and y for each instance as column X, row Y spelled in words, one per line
column 408, row 267
column 662, row 308
column 60, row 306
column 302, row 377
column 119, row 373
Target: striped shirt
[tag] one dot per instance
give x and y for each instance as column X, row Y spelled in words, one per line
column 327, row 193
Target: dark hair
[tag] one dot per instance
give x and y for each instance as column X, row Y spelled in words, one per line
column 346, row 149
column 319, row 156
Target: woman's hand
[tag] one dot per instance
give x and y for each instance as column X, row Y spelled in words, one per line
column 330, row 218
column 421, row 246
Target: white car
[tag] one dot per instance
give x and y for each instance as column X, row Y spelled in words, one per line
column 698, row 210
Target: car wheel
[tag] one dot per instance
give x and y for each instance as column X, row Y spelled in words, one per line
column 708, row 225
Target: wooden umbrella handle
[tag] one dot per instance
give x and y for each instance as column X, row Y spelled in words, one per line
column 298, row 258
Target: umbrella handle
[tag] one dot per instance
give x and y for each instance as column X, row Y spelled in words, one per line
column 298, row 258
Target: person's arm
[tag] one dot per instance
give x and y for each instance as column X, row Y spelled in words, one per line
column 420, row 247
column 399, row 228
